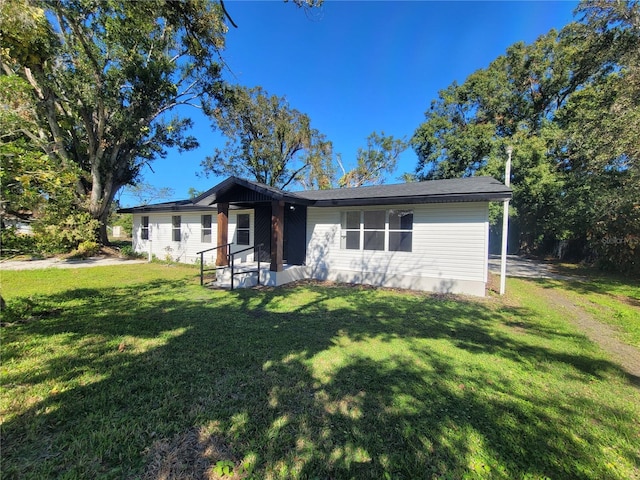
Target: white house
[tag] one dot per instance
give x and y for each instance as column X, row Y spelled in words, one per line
column 425, row 236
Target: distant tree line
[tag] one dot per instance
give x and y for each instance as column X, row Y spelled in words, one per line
column 569, row 105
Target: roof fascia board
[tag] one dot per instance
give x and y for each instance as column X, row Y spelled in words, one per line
column 166, row 208
column 419, row 199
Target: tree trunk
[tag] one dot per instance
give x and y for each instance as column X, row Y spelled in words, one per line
column 103, row 190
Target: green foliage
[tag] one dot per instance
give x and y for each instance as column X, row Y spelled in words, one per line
column 105, row 78
column 33, row 185
column 223, row 467
column 127, row 251
column 102, row 80
column 193, row 192
column 268, row 141
column 61, row 231
column 569, row 104
column 26, row 173
column 123, row 220
column 15, row 243
column 375, row 161
column 87, row 248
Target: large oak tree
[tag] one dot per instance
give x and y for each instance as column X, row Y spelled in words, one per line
column 106, row 77
column 569, row 104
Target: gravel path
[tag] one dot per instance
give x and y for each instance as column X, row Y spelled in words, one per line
column 625, row 355
column 65, row 263
column 525, row 268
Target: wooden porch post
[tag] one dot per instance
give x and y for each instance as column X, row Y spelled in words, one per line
column 277, row 235
column 223, row 233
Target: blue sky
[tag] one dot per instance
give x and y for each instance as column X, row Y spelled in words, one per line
column 355, row 67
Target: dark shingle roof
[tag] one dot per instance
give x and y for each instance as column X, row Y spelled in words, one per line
column 240, row 191
column 433, row 191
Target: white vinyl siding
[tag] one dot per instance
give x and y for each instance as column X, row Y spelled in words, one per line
column 161, row 236
column 449, row 244
column 161, row 233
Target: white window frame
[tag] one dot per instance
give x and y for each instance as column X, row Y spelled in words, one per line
column 176, row 230
column 144, row 227
column 401, row 231
column 204, row 230
column 362, row 231
column 374, row 230
column 345, row 231
column 243, row 229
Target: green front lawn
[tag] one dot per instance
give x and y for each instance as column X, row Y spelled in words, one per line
column 138, row 372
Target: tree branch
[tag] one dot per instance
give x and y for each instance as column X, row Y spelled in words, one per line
column 226, row 14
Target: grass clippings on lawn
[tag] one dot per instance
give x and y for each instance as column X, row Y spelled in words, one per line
column 137, row 372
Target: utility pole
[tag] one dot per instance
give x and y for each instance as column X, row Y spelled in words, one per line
column 505, row 224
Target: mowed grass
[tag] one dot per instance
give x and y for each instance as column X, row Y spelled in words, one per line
column 138, row 372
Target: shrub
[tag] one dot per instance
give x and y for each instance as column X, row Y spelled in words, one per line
column 88, row 248
column 14, row 243
column 66, row 235
column 128, row 252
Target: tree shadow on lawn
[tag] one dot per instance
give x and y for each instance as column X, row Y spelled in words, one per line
column 300, row 383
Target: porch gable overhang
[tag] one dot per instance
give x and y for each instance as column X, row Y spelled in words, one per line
column 239, row 191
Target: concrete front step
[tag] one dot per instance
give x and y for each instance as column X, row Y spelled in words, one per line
column 249, row 277
column 245, row 276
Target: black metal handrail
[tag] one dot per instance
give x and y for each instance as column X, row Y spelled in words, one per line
column 202, row 269
column 232, row 255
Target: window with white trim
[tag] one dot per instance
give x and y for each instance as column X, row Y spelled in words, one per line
column 384, row 230
column 206, row 228
column 144, row 228
column 242, row 229
column 175, row 222
column 400, row 230
column 374, row 229
column 350, row 230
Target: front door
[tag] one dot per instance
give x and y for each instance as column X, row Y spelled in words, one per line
column 295, row 234
column 262, row 230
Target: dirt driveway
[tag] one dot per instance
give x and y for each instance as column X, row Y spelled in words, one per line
column 606, row 336
column 65, row 263
column 525, row 268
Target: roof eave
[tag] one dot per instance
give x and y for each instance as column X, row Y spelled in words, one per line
column 417, row 199
column 166, row 208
